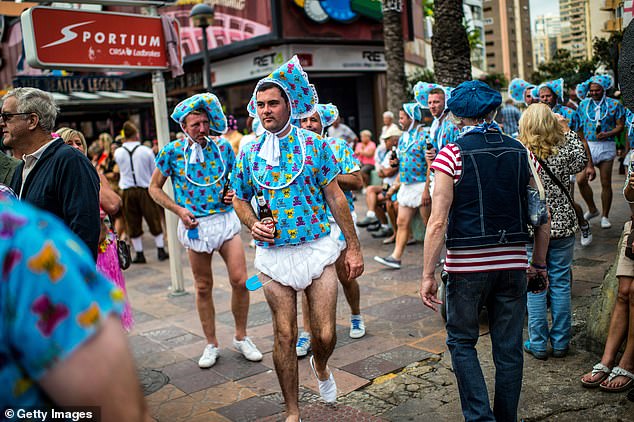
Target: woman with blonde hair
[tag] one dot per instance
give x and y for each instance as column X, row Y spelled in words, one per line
column 110, row 204
column 560, row 154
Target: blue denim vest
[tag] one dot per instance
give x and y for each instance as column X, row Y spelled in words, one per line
column 490, row 204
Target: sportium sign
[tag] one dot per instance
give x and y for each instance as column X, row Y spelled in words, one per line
column 72, row 39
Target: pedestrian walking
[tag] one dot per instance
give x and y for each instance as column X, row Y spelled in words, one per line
column 293, row 172
column 136, row 165
column 199, row 168
column 485, row 227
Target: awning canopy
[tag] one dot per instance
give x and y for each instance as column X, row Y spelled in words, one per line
column 123, row 97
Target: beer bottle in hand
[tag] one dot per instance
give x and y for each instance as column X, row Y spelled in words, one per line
column 393, row 156
column 227, row 187
column 264, row 212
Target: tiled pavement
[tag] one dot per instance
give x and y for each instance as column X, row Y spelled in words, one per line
column 167, row 338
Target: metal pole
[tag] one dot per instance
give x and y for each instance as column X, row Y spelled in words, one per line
column 206, row 68
column 162, row 134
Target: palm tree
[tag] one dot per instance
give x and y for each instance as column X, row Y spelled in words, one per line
column 394, row 54
column 450, row 44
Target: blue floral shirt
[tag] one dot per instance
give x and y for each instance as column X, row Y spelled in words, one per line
column 52, row 300
column 300, row 207
column 346, row 162
column 411, row 154
column 611, row 111
column 206, row 199
column 447, row 133
column 569, row 114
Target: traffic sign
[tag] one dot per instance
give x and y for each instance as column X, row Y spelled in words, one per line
column 81, row 40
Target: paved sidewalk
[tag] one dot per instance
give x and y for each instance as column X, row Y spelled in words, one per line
column 399, row 371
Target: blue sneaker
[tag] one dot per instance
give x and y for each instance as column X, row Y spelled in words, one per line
column 357, row 327
column 535, row 353
column 303, row 344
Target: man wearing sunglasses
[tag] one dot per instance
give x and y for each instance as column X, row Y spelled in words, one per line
column 52, row 175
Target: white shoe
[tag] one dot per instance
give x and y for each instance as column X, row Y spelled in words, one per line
column 357, row 327
column 328, row 388
column 605, row 223
column 209, row 357
column 590, row 215
column 303, row 344
column 248, row 349
column 586, row 235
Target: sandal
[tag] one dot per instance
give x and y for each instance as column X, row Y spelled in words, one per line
column 598, row 368
column 617, row 371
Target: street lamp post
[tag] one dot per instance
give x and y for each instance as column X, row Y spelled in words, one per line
column 202, row 16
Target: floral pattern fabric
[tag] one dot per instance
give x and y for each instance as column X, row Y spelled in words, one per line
column 446, row 134
column 611, row 111
column 202, row 201
column 569, row 114
column 347, row 163
column 411, row 155
column 52, row 299
column 292, row 189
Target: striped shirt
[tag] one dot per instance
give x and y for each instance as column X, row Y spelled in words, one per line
column 484, row 259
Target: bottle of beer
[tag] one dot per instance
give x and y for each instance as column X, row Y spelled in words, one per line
column 264, row 211
column 393, row 156
column 227, row 187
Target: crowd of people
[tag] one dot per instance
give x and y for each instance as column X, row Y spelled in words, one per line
column 292, row 184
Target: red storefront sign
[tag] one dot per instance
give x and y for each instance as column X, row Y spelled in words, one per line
column 73, row 39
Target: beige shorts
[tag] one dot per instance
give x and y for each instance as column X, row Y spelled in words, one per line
column 625, row 266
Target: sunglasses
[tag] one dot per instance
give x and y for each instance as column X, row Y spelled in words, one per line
column 7, row 116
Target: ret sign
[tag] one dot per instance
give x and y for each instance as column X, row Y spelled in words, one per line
column 77, row 40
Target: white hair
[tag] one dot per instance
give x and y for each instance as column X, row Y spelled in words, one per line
column 388, row 114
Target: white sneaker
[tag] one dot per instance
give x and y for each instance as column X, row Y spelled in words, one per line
column 586, row 234
column 248, row 349
column 303, row 344
column 357, row 327
column 605, row 223
column 208, row 359
column 328, row 388
column 590, row 215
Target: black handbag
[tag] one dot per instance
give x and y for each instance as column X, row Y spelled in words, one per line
column 123, row 252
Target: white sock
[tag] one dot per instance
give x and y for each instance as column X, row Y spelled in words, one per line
column 159, row 241
column 137, row 243
column 370, row 214
column 355, row 317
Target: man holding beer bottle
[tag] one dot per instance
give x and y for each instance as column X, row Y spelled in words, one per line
column 296, row 172
column 199, row 167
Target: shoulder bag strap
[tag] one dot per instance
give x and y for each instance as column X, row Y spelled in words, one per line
column 557, row 182
column 538, row 181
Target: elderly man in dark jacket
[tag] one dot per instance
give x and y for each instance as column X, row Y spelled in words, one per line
column 52, row 175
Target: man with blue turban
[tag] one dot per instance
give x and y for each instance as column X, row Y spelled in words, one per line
column 199, row 167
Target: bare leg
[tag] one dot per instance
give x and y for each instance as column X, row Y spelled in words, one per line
column 350, row 287
column 405, row 215
column 305, row 314
column 627, row 360
column 283, row 303
column 232, row 252
column 618, row 325
column 203, row 283
column 586, row 191
column 605, row 172
column 392, row 208
column 322, row 299
column 425, row 212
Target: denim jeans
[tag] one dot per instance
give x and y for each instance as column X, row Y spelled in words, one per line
column 559, row 262
column 504, row 294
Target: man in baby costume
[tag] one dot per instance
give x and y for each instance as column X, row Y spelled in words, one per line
column 199, row 168
column 295, row 171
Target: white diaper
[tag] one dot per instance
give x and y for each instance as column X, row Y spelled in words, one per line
column 297, row 266
column 213, row 231
column 411, row 195
column 335, row 231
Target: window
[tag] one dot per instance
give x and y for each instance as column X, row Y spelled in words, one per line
column 490, row 54
column 486, row 9
column 490, row 43
column 488, row 32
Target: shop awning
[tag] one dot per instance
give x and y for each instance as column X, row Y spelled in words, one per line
column 103, row 98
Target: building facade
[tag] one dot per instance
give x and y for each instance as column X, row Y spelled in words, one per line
column 546, row 38
column 576, row 34
column 507, row 34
